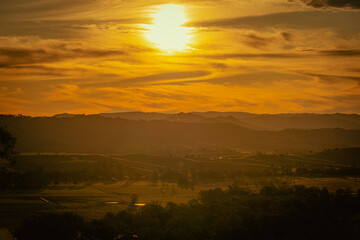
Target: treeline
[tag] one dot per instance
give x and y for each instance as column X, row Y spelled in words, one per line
column 11, row 180
column 328, row 172
column 189, row 179
column 350, row 156
column 279, row 213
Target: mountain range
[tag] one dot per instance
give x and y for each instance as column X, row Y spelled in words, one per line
column 248, row 120
column 138, row 132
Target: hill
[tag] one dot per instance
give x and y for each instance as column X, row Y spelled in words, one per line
column 248, row 120
column 98, row 134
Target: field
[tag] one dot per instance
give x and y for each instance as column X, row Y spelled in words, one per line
column 94, row 199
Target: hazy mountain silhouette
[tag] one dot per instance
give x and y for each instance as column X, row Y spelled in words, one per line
column 306, row 121
column 248, row 120
column 146, row 116
column 98, row 134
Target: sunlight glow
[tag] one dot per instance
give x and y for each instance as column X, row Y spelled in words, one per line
column 167, row 32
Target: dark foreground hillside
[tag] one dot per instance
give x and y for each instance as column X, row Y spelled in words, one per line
column 278, row 213
column 96, row 134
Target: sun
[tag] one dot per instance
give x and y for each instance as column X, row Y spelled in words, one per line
column 167, row 31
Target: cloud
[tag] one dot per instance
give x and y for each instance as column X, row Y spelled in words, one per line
column 256, row 41
column 253, row 55
column 334, row 78
column 68, row 19
column 348, row 103
column 262, row 78
column 67, row 29
column 287, row 36
column 254, row 91
column 255, row 78
column 155, row 78
column 354, row 4
column 341, row 53
column 296, row 20
column 13, row 56
column 91, row 56
column 40, row 9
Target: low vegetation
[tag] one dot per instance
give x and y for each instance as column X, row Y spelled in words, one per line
column 294, row 212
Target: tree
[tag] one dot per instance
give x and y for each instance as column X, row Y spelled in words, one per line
column 7, row 145
column 52, row 226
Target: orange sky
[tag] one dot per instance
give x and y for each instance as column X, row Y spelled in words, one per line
column 264, row 56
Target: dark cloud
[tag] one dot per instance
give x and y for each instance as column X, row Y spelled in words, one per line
column 39, row 70
column 350, row 97
column 354, row 4
column 333, row 78
column 220, row 66
column 12, row 56
column 256, row 41
column 254, row 55
column 39, row 9
column 357, row 70
column 343, row 20
column 65, row 19
column 341, row 53
column 287, row 36
column 65, row 29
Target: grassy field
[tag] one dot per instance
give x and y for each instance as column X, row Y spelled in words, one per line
column 90, row 201
column 93, row 201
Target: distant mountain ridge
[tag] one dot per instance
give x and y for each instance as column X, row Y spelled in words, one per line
column 248, row 120
column 178, row 133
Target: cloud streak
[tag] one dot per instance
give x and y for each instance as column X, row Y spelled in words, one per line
column 254, row 55
column 354, row 4
column 153, row 79
column 298, row 20
column 250, row 79
column 334, row 78
column 341, row 53
column 13, row 56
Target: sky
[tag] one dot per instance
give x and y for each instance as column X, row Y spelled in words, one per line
column 258, row 56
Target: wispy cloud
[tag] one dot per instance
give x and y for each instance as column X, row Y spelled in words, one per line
column 342, row 53
column 248, row 79
column 352, row 4
column 298, row 20
column 257, row 56
column 334, row 78
column 153, row 79
column 17, row 56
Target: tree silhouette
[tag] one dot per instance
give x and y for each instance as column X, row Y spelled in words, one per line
column 7, row 145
